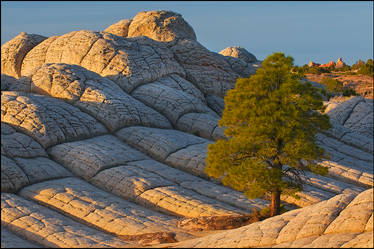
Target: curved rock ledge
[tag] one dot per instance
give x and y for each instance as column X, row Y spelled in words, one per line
column 84, row 202
column 10, row 240
column 49, row 121
column 16, row 144
column 96, row 95
column 49, row 228
column 129, row 62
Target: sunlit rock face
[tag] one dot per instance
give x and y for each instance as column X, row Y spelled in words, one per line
column 104, row 137
column 313, row 64
column 329, row 64
column 120, row 28
column 14, row 51
column 240, row 53
column 340, row 63
column 161, row 26
column 129, row 62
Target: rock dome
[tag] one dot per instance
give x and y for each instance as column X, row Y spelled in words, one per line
column 161, row 25
column 120, row 28
column 13, row 52
column 239, row 52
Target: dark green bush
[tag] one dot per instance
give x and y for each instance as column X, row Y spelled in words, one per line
column 358, row 64
column 349, row 92
column 346, row 68
column 367, row 69
column 332, row 85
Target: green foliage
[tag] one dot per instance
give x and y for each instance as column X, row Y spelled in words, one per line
column 349, row 92
column 350, row 73
column 271, row 120
column 335, row 86
column 318, row 70
column 332, row 85
column 346, row 68
column 358, row 64
column 364, row 68
column 367, row 69
column 265, row 212
column 300, row 71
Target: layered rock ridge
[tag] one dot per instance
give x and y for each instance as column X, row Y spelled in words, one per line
column 104, row 136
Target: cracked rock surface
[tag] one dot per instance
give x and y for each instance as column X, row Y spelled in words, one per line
column 81, row 200
column 10, row 240
column 161, row 26
column 104, row 136
column 14, row 51
column 48, row 120
column 98, row 96
column 49, row 228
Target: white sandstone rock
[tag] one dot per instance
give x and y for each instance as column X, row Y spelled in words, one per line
column 161, row 26
column 49, row 121
column 120, row 28
column 13, row 52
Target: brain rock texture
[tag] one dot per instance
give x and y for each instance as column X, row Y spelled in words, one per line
column 104, row 136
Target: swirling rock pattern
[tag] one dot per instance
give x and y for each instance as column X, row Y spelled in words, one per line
column 49, row 228
column 79, row 199
column 104, row 137
column 129, row 62
column 48, row 120
column 98, row 96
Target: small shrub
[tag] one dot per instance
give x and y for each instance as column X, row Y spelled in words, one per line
column 351, row 73
column 367, row 69
column 345, row 69
column 318, row 70
column 357, row 65
column 332, row 85
column 349, row 92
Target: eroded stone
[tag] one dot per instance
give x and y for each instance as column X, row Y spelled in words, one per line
column 49, row 228
column 49, row 121
column 96, row 95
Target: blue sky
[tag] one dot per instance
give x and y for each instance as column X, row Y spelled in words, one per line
column 319, row 31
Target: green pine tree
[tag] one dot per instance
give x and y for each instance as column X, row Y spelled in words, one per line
column 270, row 121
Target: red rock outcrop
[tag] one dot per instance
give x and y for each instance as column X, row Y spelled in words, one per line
column 313, row 64
column 340, row 63
column 330, row 64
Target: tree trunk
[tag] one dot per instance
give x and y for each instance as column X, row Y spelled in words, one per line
column 275, row 203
